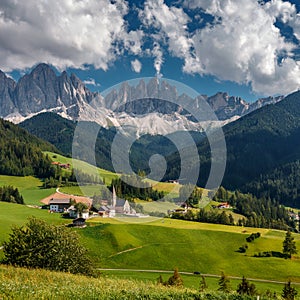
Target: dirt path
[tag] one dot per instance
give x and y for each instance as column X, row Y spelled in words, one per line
column 128, row 250
column 205, row 275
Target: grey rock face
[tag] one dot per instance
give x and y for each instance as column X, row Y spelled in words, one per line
column 7, row 87
column 43, row 89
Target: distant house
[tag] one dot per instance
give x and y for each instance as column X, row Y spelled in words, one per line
column 176, row 181
column 64, row 166
column 59, row 205
column 73, row 213
column 103, row 211
column 224, row 205
column 79, row 222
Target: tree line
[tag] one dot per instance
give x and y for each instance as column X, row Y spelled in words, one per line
column 132, row 186
column 10, row 194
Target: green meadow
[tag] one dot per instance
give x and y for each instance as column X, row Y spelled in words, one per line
column 83, row 166
column 210, row 249
column 16, row 215
column 29, row 187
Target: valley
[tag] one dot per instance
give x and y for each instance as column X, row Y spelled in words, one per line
column 204, row 231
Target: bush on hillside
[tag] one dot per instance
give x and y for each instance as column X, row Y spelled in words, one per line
column 41, row 245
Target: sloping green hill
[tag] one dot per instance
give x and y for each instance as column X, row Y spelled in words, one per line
column 208, row 248
column 257, row 144
column 21, row 153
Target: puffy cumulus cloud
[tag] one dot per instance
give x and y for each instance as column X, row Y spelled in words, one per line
column 136, row 66
column 63, row 33
column 283, row 10
column 244, row 45
column 91, row 81
column 170, row 23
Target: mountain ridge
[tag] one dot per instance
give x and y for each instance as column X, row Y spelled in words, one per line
column 42, row 90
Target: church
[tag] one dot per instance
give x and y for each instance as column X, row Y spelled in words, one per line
column 118, row 206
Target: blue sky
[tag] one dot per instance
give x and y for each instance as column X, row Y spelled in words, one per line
column 248, row 48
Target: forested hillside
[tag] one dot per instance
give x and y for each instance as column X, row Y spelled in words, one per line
column 21, row 153
column 263, row 152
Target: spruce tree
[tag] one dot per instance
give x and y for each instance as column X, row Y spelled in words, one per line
column 175, row 279
column 224, row 283
column 289, row 292
column 203, row 284
column 289, row 245
column 246, row 288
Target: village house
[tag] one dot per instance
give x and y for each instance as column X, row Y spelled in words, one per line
column 223, row 205
column 59, row 205
column 74, row 213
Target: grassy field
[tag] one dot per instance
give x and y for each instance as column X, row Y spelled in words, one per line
column 164, row 244
column 191, row 281
column 171, row 188
column 19, row 284
column 89, row 190
column 29, row 187
column 83, row 166
column 17, row 214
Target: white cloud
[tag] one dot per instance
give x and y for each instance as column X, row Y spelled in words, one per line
column 91, row 81
column 283, row 10
column 171, row 23
column 136, row 66
column 63, row 33
column 244, row 45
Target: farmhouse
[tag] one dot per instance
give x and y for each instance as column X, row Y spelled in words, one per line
column 59, row 205
column 223, row 205
column 73, row 213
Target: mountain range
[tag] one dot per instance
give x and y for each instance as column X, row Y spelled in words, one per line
column 42, row 90
column 263, row 148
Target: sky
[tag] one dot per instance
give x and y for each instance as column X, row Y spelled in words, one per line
column 248, row 48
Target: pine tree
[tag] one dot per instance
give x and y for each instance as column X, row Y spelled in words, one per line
column 289, row 245
column 160, row 280
column 246, row 288
column 203, row 284
column 224, row 283
column 289, row 292
column 175, row 279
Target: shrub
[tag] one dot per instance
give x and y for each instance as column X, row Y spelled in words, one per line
column 40, row 245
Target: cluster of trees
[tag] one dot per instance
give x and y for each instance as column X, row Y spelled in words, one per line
column 10, row 194
column 252, row 237
column 190, row 194
column 206, row 216
column 21, row 153
column 64, row 178
column 259, row 212
column 281, row 184
column 244, row 288
column 41, row 245
column 132, row 186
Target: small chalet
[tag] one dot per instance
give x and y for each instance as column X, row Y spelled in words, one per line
column 73, row 213
column 59, row 205
column 223, row 205
column 64, row 166
column 79, row 222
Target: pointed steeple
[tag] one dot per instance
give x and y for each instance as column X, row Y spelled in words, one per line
column 114, row 197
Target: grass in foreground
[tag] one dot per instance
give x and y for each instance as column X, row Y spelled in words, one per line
column 19, row 284
column 192, row 281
